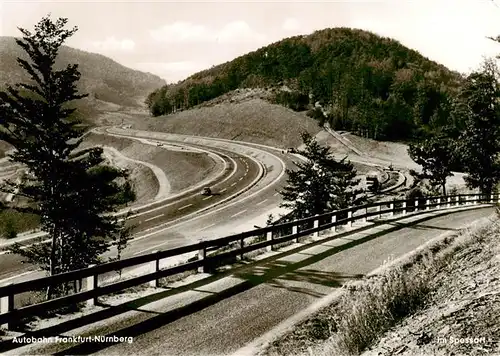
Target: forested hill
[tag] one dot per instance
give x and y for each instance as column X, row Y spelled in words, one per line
column 105, row 80
column 363, row 82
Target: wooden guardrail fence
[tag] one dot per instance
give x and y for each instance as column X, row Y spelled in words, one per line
column 242, row 243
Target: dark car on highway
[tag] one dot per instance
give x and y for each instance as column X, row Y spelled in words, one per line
column 206, row 191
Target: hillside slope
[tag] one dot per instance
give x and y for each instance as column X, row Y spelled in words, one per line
column 105, row 80
column 442, row 300
column 253, row 120
column 363, row 82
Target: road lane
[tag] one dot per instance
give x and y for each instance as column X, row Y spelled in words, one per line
column 231, row 323
column 189, row 204
column 206, row 225
column 245, row 168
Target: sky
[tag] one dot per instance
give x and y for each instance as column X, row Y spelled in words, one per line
column 176, row 39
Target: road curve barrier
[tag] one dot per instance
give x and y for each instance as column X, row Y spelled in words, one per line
column 212, row 252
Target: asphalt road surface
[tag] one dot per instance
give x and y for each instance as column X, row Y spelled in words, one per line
column 13, row 270
column 235, row 321
column 275, row 290
column 246, row 172
column 178, row 220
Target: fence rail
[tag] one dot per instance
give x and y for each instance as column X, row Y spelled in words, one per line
column 266, row 237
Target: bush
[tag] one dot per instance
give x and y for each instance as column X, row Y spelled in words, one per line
column 10, row 229
column 415, row 193
column 13, row 222
column 296, row 101
column 317, row 114
column 374, row 308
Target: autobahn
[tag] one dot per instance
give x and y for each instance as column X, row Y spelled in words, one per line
column 177, row 216
column 189, row 217
column 240, row 173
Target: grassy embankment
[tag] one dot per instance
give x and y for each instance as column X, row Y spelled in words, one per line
column 422, row 305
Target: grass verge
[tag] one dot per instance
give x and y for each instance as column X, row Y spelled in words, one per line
column 368, row 309
column 13, row 222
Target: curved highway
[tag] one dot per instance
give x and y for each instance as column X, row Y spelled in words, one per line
column 242, row 174
column 247, row 189
column 239, row 174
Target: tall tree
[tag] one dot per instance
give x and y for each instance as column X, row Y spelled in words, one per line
column 70, row 190
column 479, row 143
column 320, row 184
column 435, row 155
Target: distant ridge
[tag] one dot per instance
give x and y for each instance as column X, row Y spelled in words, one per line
column 105, row 80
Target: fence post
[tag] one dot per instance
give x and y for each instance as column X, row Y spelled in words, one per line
column 498, row 198
column 449, row 203
column 202, row 254
column 379, row 207
column 404, row 207
column 242, row 244
column 269, row 238
column 153, row 268
column 349, row 215
column 439, row 204
column 294, row 231
column 334, row 220
column 491, row 200
column 7, row 305
column 91, row 284
column 416, row 205
column 391, row 207
column 427, row 207
column 365, row 219
column 316, row 224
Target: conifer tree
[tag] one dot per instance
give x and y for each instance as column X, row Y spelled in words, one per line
column 321, row 184
column 71, row 190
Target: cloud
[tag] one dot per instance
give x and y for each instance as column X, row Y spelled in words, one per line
column 239, row 31
column 182, row 32
column 172, row 71
column 291, row 24
column 113, row 44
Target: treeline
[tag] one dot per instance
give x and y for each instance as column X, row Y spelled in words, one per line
column 363, row 82
column 470, row 142
column 71, row 192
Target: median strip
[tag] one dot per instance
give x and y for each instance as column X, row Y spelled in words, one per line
column 165, row 226
column 232, row 185
column 185, row 206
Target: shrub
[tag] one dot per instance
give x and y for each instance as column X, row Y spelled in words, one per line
column 378, row 306
column 10, row 229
